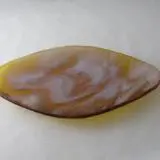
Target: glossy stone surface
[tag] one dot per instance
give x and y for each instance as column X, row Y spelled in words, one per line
column 76, row 81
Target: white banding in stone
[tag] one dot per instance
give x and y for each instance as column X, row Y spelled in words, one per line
column 26, row 80
column 137, row 86
column 95, row 71
column 32, row 100
column 60, row 88
column 111, row 89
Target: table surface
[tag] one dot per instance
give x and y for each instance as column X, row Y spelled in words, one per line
column 128, row 26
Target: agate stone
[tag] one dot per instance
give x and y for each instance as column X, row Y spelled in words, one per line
column 76, row 81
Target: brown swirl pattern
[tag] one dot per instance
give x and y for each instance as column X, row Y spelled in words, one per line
column 76, row 81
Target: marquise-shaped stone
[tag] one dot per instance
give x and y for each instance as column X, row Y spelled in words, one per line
column 76, row 81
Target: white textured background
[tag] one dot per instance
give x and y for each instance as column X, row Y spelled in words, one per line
column 130, row 26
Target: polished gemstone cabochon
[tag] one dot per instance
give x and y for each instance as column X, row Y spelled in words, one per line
column 76, row 81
